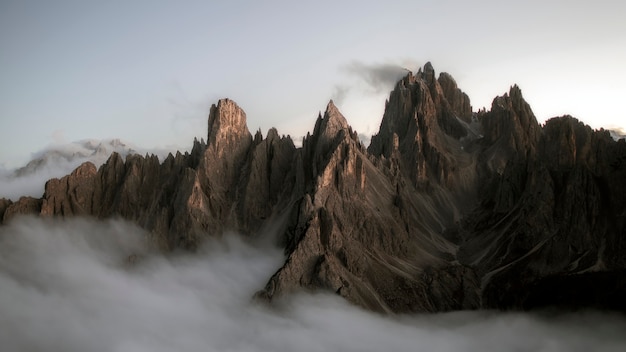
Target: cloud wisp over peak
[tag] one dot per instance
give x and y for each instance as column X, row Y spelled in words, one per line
column 380, row 78
column 369, row 78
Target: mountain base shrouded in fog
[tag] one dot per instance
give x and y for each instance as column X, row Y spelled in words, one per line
column 86, row 285
column 447, row 209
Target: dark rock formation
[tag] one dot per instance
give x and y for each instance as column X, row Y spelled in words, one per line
column 447, row 209
column 554, row 221
column 72, row 194
column 230, row 182
column 24, row 206
column 363, row 232
column 4, row 205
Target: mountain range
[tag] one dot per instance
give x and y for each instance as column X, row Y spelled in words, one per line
column 58, row 160
column 446, row 209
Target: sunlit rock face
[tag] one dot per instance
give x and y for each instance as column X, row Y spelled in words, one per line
column 447, row 208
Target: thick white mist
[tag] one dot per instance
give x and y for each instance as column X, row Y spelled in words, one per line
column 68, row 286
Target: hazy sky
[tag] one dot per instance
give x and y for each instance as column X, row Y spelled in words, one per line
column 147, row 71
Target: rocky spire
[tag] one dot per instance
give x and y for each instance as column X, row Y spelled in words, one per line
column 429, row 73
column 333, row 120
column 227, row 125
column 458, row 100
column 330, row 124
column 440, row 213
column 512, row 124
column 420, row 122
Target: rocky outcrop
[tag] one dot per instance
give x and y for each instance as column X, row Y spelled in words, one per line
column 230, row 182
column 510, row 129
column 446, row 209
column 4, row 205
column 361, row 231
column 72, row 194
column 24, row 206
column 554, row 221
column 459, row 101
column 434, row 148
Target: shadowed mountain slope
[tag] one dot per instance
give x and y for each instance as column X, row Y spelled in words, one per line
column 446, row 209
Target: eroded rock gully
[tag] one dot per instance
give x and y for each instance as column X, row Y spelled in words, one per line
column 447, row 208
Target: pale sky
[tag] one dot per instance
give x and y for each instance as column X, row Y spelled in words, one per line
column 147, row 71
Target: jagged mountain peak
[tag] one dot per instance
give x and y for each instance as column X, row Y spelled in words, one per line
column 458, row 100
column 227, row 123
column 424, row 121
column 333, row 121
column 329, row 129
column 566, row 142
column 514, row 100
column 429, row 73
column 443, row 211
column 512, row 121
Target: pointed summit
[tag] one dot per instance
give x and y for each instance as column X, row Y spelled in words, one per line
column 227, row 123
column 333, row 120
column 512, row 122
column 429, row 73
column 459, row 101
column 331, row 123
column 428, row 67
column 329, row 129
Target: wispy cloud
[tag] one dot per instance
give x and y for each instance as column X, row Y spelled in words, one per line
column 339, row 93
column 378, row 77
column 61, row 159
column 361, row 81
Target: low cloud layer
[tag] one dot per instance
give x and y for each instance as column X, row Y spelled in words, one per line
column 59, row 160
column 68, row 286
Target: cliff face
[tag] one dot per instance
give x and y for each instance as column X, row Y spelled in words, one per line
column 552, row 230
column 229, row 182
column 363, row 231
column 447, row 209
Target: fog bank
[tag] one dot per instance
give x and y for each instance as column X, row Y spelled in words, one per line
column 70, row 286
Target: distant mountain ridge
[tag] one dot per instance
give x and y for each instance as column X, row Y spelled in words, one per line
column 446, row 209
column 96, row 151
column 60, row 159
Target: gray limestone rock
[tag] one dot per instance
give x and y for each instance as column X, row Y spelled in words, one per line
column 447, row 209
